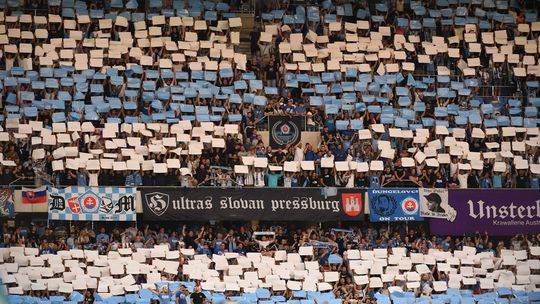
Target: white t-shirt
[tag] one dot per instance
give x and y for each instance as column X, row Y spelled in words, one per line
column 93, row 179
column 287, row 181
column 462, row 178
column 453, row 168
column 249, row 179
column 185, row 181
column 259, row 179
column 298, row 154
column 350, row 182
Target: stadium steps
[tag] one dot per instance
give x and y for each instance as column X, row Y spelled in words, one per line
column 248, row 23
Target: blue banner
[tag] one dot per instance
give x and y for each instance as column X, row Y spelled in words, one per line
column 391, row 205
column 92, row 204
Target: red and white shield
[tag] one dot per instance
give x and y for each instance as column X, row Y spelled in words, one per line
column 74, row 205
column 352, row 203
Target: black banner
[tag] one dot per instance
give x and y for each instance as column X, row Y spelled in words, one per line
column 275, row 204
column 284, row 130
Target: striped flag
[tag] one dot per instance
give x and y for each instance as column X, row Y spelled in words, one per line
column 34, row 195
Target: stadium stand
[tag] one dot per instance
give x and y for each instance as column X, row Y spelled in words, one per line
column 303, row 266
column 93, row 95
column 399, row 94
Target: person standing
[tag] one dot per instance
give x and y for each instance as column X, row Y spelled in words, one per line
column 181, row 295
column 82, row 178
column 93, row 178
column 463, row 178
column 88, row 297
column 198, row 297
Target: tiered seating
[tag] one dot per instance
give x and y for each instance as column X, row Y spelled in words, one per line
column 363, row 75
column 450, row 86
column 441, row 275
column 172, row 84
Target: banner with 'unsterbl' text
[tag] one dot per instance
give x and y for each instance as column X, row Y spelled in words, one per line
column 497, row 212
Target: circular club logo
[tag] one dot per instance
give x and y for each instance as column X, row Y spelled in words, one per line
column 409, row 205
column 285, row 133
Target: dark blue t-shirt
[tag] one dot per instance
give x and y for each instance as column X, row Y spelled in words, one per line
column 181, row 298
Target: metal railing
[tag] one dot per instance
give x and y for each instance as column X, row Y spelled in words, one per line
column 32, row 11
column 247, row 7
column 392, row 185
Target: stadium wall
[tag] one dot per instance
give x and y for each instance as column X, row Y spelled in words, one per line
column 313, row 138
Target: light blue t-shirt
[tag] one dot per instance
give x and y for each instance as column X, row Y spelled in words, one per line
column 273, row 178
column 497, row 181
column 164, row 298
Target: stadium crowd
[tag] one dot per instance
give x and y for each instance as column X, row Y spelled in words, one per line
column 219, row 239
column 433, row 94
column 332, row 251
column 406, row 93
